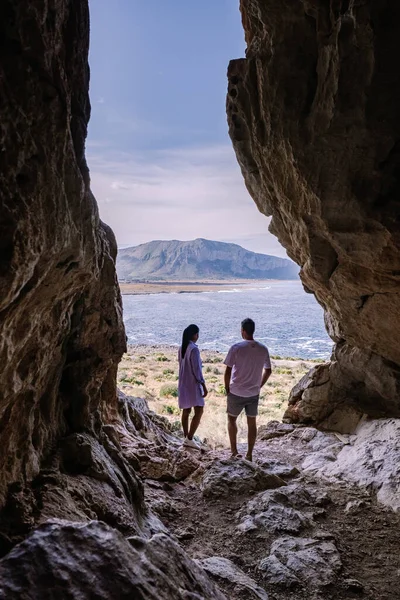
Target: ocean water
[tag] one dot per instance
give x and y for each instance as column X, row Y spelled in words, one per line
column 288, row 321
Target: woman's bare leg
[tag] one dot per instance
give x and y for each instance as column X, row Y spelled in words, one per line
column 185, row 421
column 198, row 412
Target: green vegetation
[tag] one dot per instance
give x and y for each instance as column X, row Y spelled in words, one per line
column 162, row 358
column 168, row 372
column 169, row 390
column 168, row 409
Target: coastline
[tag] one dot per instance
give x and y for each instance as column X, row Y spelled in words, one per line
column 190, row 287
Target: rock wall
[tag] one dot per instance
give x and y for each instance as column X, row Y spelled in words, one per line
column 60, row 309
column 314, row 118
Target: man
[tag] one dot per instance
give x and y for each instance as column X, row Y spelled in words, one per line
column 248, row 368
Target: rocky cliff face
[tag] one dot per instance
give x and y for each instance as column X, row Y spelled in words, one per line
column 60, row 313
column 314, row 117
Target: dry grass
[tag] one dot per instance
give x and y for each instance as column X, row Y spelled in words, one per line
column 152, row 373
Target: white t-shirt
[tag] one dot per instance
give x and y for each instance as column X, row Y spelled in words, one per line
column 247, row 359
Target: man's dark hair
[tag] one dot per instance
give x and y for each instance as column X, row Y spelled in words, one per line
column 248, row 326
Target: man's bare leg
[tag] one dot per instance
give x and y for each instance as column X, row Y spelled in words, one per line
column 185, row 421
column 232, row 431
column 251, row 436
column 198, row 412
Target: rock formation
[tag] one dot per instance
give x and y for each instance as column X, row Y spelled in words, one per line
column 60, row 312
column 313, row 114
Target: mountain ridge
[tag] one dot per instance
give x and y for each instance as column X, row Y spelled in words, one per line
column 198, row 259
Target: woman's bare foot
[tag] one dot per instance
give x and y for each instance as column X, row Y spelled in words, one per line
column 236, row 455
column 249, row 457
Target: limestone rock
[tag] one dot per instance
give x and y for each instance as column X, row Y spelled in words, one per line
column 62, row 333
column 371, row 461
column 223, row 568
column 313, row 562
column 62, row 559
column 147, row 443
column 289, row 509
column 237, row 476
column 314, row 120
column 278, row 467
column 274, row 429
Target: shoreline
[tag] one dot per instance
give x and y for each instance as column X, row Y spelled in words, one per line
column 146, row 348
column 140, row 288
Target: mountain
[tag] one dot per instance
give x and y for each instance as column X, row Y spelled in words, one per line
column 199, row 260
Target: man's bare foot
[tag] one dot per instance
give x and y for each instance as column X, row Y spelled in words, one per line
column 249, row 457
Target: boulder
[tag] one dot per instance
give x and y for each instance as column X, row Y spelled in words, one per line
column 278, row 467
column 223, row 568
column 314, row 562
column 70, row 560
column 289, row 509
column 314, row 121
column 237, row 477
column 371, row 461
column 274, row 429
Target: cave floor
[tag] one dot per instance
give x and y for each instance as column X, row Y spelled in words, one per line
column 367, row 538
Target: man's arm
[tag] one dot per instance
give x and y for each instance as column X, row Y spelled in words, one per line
column 266, row 376
column 227, row 378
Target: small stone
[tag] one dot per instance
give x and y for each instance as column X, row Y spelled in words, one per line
column 353, row 585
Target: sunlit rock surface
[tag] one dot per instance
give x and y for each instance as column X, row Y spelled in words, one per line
column 314, row 117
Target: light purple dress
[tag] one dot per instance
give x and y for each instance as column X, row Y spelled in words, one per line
column 190, row 378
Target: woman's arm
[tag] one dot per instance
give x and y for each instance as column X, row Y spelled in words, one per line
column 197, row 371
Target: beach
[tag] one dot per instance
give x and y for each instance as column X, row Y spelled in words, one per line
column 182, row 287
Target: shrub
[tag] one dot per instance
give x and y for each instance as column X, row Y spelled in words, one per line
column 139, row 373
column 208, row 369
column 217, row 371
column 162, row 358
column 169, row 390
column 282, row 371
column 168, row 372
column 170, row 410
column 220, row 390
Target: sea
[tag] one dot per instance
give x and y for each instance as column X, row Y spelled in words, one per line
column 289, row 321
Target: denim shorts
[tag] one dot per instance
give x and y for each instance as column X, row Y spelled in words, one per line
column 235, row 405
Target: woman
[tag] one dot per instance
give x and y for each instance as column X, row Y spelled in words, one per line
column 192, row 388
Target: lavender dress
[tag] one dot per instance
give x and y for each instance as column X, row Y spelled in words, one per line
column 190, row 378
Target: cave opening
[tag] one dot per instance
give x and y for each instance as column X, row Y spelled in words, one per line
column 98, row 498
column 162, row 167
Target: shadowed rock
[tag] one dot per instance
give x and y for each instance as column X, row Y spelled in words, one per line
column 314, row 118
column 60, row 307
column 70, row 560
column 315, row 562
column 223, row 568
column 237, row 476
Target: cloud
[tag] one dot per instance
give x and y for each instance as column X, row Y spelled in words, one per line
column 181, row 193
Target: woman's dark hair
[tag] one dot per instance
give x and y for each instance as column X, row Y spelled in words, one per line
column 188, row 333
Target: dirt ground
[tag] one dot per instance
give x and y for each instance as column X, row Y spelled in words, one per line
column 368, row 541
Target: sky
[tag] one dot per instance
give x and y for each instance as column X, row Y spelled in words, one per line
column 162, row 164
